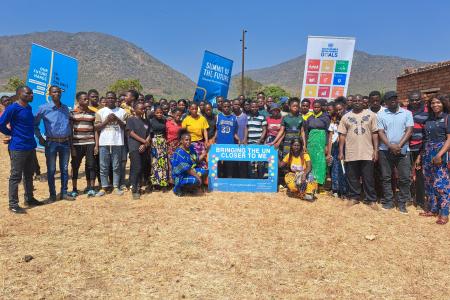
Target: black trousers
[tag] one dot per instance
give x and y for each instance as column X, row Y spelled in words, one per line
column 21, row 166
column 402, row 163
column 138, row 161
column 36, row 166
column 357, row 170
column 418, row 185
column 86, row 151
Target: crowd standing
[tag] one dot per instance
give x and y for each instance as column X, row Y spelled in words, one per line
column 368, row 149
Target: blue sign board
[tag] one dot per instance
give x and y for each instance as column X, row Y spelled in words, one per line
column 47, row 68
column 239, row 153
column 214, row 79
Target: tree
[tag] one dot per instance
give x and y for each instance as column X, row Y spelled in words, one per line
column 123, row 85
column 13, row 83
column 275, row 91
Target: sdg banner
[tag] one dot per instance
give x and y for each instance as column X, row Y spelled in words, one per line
column 242, row 154
column 214, row 79
column 47, row 68
column 327, row 67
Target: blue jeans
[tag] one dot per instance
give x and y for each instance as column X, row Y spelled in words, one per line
column 53, row 149
column 110, row 155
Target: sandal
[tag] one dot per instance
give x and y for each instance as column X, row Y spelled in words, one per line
column 428, row 214
column 442, row 220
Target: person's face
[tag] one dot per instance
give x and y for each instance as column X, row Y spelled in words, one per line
column 296, row 147
column 340, row 110
column 305, row 107
column 55, row 93
column 357, row 103
column 415, row 101
column 186, row 141
column 159, row 113
column 236, row 106
column 226, row 108
column 261, row 103
column 375, row 101
column 83, row 101
column 254, row 108
column 436, row 106
column 26, row 94
column 365, row 103
column 269, row 101
column 177, row 116
column 111, row 100
column 331, row 110
column 219, row 102
column 201, row 105
column 208, row 110
column 405, row 102
column 275, row 113
column 350, row 102
column 93, row 98
column 181, row 106
column 165, row 109
column 392, row 103
column 141, row 99
column 139, row 110
column 146, row 106
column 247, row 106
column 173, row 106
column 193, row 110
column 317, row 108
column 294, row 108
column 128, row 98
column 241, row 98
column 103, row 102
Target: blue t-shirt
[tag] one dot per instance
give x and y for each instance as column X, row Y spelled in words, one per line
column 21, row 121
column 227, row 126
column 394, row 125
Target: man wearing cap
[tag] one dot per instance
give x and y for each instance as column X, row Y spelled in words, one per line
column 56, row 118
column 395, row 127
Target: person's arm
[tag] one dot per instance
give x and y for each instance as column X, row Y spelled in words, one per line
column 263, row 135
column 72, row 148
column 329, row 145
column 405, row 138
column 5, row 119
column 303, row 137
column 101, row 124
column 341, row 146
column 245, row 134
column 120, row 122
column 37, row 131
column 96, row 142
column 437, row 160
column 375, row 146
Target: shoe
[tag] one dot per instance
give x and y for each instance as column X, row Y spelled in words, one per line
column 51, row 199
column 100, row 193
column 373, row 205
column 73, row 193
column 402, row 209
column 335, row 195
column 352, row 202
column 178, row 194
column 386, row 206
column 308, row 197
column 118, row 192
column 136, row 196
column 67, row 197
column 17, row 209
column 124, row 188
column 33, row 202
column 91, row 193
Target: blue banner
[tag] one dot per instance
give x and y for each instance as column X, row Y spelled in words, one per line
column 243, row 153
column 47, row 68
column 215, row 77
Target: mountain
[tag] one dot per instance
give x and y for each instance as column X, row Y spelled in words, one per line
column 369, row 72
column 102, row 59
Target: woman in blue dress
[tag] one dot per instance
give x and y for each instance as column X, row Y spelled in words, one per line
column 186, row 172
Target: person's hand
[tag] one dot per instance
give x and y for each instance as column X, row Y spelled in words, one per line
column 270, row 144
column 245, row 142
column 142, row 148
column 437, row 160
column 42, row 141
column 239, row 141
column 6, row 140
column 341, row 156
column 329, row 159
column 111, row 118
column 395, row 148
column 418, row 163
column 375, row 156
column 277, row 145
column 95, row 150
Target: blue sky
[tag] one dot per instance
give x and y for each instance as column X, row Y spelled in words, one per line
column 177, row 32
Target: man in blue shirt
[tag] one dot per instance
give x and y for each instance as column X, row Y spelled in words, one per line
column 57, row 134
column 395, row 127
column 21, row 147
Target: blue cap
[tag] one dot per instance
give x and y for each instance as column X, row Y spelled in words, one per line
column 284, row 100
column 274, row 106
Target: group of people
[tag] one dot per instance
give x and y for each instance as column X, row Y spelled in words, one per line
column 370, row 148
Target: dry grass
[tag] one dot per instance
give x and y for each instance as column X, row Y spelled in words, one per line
column 218, row 246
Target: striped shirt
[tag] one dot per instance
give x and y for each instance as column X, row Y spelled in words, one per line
column 255, row 126
column 420, row 116
column 83, row 127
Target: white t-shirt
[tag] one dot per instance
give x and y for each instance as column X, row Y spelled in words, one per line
column 334, row 130
column 112, row 134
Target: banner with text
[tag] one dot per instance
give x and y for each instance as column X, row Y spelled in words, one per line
column 242, row 154
column 47, row 68
column 327, row 67
column 214, row 79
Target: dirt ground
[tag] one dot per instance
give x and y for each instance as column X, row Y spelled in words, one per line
column 221, row 245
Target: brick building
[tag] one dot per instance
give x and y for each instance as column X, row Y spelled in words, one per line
column 430, row 79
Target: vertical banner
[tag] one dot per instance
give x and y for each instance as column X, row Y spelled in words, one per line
column 327, row 67
column 214, row 79
column 47, row 68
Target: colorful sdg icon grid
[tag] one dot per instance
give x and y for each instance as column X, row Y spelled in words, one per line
column 326, row 78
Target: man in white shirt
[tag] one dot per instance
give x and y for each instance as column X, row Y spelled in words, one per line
column 110, row 124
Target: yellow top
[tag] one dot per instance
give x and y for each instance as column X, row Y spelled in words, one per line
column 307, row 115
column 195, row 127
column 297, row 163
